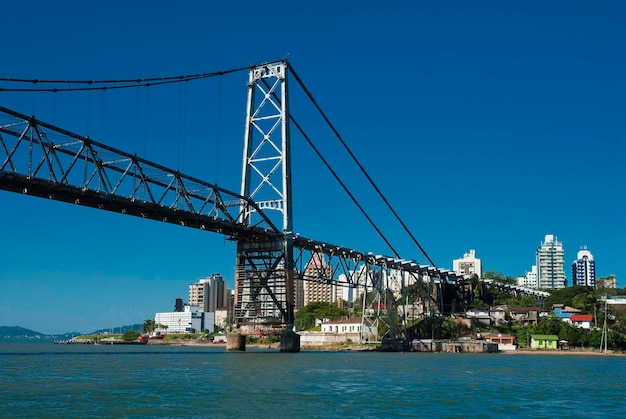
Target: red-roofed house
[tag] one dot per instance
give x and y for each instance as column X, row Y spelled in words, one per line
column 582, row 320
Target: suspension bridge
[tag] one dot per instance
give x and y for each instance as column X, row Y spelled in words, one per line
column 272, row 261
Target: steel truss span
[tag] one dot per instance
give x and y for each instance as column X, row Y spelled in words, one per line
column 42, row 160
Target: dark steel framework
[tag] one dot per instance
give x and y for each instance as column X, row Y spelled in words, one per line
column 264, row 276
column 40, row 159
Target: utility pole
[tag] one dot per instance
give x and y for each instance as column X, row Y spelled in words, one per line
column 604, row 340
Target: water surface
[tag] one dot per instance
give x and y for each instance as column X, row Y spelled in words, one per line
column 39, row 379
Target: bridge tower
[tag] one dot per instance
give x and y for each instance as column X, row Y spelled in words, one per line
column 264, row 277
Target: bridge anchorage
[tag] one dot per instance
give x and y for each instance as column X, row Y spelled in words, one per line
column 272, row 263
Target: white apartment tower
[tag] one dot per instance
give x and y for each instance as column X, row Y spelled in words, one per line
column 210, row 293
column 584, row 269
column 551, row 264
column 468, row 265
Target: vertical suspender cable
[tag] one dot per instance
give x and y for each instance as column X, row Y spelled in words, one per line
column 136, row 139
column 146, row 114
column 218, row 130
column 185, row 100
column 89, row 113
column 102, row 116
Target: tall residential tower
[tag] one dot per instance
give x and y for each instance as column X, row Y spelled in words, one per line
column 551, row 264
column 584, row 269
column 210, row 293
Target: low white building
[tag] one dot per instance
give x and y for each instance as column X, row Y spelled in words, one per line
column 190, row 320
column 349, row 326
column 340, row 331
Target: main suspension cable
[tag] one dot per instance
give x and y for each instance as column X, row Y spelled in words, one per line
column 336, row 176
column 343, row 185
column 319, row 109
column 117, row 83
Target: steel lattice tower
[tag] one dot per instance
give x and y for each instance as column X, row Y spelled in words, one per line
column 264, row 286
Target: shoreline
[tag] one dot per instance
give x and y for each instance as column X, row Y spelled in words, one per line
column 360, row 348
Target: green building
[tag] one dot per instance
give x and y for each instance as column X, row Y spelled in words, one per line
column 544, row 342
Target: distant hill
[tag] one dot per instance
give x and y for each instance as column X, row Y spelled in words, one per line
column 21, row 332
column 16, row 331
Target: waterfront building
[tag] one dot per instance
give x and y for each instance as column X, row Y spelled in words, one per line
column 584, row 269
column 340, row 331
column 551, row 264
column 190, row 320
column 544, row 342
column 469, row 264
column 505, row 342
column 351, row 326
column 210, row 293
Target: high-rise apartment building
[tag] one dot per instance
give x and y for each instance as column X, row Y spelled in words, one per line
column 551, row 264
column 317, row 283
column 468, row 265
column 210, row 293
column 584, row 269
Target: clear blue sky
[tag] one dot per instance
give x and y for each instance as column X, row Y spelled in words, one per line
column 486, row 124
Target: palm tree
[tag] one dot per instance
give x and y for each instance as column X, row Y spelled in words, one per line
column 149, row 325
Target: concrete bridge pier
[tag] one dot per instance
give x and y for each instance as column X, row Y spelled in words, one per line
column 290, row 343
column 290, row 340
column 235, row 342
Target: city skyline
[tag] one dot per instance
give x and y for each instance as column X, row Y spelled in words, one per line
column 486, row 127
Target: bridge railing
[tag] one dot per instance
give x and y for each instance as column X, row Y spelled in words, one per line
column 40, row 159
column 516, row 290
column 348, row 261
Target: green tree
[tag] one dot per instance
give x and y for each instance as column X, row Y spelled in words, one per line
column 585, row 301
column 130, row 335
column 491, row 274
column 522, row 335
column 565, row 296
column 549, row 326
column 525, row 301
column 451, row 328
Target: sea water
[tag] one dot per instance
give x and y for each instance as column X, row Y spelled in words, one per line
column 40, row 379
